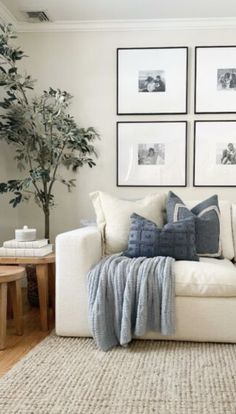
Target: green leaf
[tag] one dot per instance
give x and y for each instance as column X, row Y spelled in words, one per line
column 3, row 188
column 12, row 70
column 15, row 201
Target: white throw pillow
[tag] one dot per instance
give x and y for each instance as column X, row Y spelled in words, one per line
column 113, row 216
column 226, row 231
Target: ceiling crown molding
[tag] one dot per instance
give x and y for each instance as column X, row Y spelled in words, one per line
column 118, row 25
column 129, row 25
column 6, row 16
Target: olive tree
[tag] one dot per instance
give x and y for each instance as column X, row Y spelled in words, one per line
column 44, row 136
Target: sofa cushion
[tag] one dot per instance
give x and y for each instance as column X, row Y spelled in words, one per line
column 226, row 232
column 207, row 220
column 113, row 217
column 208, row 277
column 176, row 240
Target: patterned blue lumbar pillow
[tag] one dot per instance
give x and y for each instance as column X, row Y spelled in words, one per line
column 207, row 222
column 175, row 239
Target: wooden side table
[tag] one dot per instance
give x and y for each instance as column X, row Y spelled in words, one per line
column 10, row 276
column 45, row 271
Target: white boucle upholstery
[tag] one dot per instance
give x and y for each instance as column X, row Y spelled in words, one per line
column 204, row 312
column 203, row 320
column 233, row 224
column 207, row 278
column 76, row 252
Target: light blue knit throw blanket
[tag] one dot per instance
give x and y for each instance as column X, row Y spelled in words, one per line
column 128, row 297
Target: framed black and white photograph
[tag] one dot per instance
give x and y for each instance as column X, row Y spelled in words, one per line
column 214, row 154
column 215, row 79
column 152, row 80
column 151, row 154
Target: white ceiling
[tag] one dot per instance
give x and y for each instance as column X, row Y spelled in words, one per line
column 79, row 10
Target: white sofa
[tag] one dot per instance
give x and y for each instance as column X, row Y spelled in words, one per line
column 205, row 290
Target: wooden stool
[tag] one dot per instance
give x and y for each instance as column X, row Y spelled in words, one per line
column 10, row 275
column 45, row 270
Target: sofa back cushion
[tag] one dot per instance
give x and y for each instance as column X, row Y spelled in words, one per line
column 113, row 216
column 175, row 240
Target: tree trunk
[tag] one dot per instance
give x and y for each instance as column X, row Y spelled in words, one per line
column 47, row 224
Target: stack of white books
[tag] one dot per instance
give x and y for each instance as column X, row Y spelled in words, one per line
column 14, row 248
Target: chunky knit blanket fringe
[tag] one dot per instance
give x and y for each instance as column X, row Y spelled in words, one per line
column 128, row 297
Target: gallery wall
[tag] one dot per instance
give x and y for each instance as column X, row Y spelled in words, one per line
column 84, row 63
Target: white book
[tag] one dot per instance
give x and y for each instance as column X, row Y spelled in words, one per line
column 43, row 251
column 13, row 244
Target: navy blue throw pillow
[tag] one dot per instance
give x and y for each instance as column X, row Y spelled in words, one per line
column 175, row 240
column 207, row 222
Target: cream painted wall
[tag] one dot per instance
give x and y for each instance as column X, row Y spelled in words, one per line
column 85, row 65
column 8, row 215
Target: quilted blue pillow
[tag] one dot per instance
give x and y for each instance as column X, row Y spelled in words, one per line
column 175, row 240
column 207, row 222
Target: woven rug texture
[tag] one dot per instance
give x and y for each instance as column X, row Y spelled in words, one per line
column 70, row 375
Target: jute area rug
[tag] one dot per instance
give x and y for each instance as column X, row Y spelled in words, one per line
column 69, row 375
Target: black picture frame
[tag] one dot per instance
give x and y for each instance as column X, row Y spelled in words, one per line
column 224, row 171
column 209, row 86
column 183, row 111
column 184, row 155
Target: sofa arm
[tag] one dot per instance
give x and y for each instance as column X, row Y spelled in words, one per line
column 77, row 252
column 80, row 248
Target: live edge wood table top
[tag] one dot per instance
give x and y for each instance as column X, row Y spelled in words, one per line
column 45, row 271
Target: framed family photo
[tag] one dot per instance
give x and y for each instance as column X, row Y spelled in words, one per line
column 215, row 79
column 214, row 154
column 152, row 80
column 151, row 154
